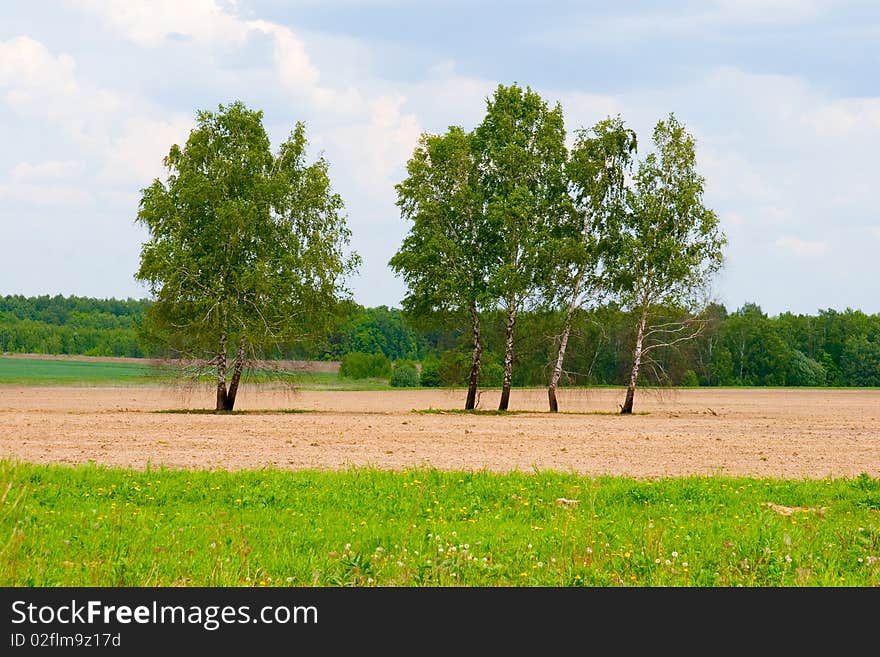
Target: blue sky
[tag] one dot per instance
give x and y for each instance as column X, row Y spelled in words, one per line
column 783, row 97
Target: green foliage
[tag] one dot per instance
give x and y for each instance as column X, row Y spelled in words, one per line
column 669, row 243
column 445, row 256
column 375, row 330
column 596, row 172
column 744, row 347
column 860, row 360
column 429, row 377
column 804, row 371
column 358, row 365
column 522, row 157
column 94, row 526
column 453, row 368
column 491, row 372
column 690, row 379
column 404, row 375
column 71, row 325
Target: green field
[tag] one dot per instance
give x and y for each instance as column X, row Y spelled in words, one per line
column 65, row 526
column 32, row 371
column 38, row 371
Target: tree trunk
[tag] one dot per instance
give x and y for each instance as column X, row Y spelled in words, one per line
column 471, row 401
column 237, row 367
column 221, row 373
column 627, row 407
column 508, row 358
column 560, row 356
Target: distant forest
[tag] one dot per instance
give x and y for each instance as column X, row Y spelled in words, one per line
column 744, row 347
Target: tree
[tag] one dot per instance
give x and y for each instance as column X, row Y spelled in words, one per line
column 522, row 154
column 446, row 255
column 861, row 361
column 759, row 356
column 668, row 246
column 596, row 172
column 246, row 247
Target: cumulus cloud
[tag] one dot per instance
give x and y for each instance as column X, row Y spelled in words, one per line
column 381, row 131
column 128, row 136
column 151, row 22
column 36, row 82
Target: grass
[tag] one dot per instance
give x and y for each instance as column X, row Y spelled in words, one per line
column 90, row 525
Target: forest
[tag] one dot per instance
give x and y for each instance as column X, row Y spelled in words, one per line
column 742, row 347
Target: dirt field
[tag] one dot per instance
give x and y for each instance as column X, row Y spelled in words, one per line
column 764, row 433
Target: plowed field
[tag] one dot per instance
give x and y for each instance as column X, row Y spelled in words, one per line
column 785, row 433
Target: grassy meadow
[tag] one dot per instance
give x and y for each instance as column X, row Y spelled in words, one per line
column 89, row 525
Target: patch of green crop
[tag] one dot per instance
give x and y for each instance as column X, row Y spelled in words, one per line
column 40, row 371
column 25, row 371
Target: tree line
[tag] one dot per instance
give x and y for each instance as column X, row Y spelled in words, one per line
column 71, row 325
column 742, row 347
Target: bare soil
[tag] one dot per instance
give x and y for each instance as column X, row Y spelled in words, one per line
column 784, row 433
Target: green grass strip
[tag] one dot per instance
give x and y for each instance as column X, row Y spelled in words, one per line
column 94, row 526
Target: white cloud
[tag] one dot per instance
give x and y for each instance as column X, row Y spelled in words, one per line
column 150, row 22
column 375, row 132
column 37, row 83
column 800, row 247
column 127, row 135
column 376, row 149
column 209, row 25
column 135, row 153
column 45, row 194
column 731, row 177
column 620, row 30
column 875, row 231
column 50, row 170
column 847, row 117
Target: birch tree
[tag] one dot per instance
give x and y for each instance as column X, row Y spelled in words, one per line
column 446, row 256
column 522, row 154
column 596, row 172
column 245, row 248
column 668, row 245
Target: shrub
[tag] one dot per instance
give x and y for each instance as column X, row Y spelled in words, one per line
column 404, row 375
column 430, row 374
column 491, row 373
column 453, row 368
column 358, row 365
column 689, row 379
column 804, row 371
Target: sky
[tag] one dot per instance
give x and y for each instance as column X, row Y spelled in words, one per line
column 782, row 97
